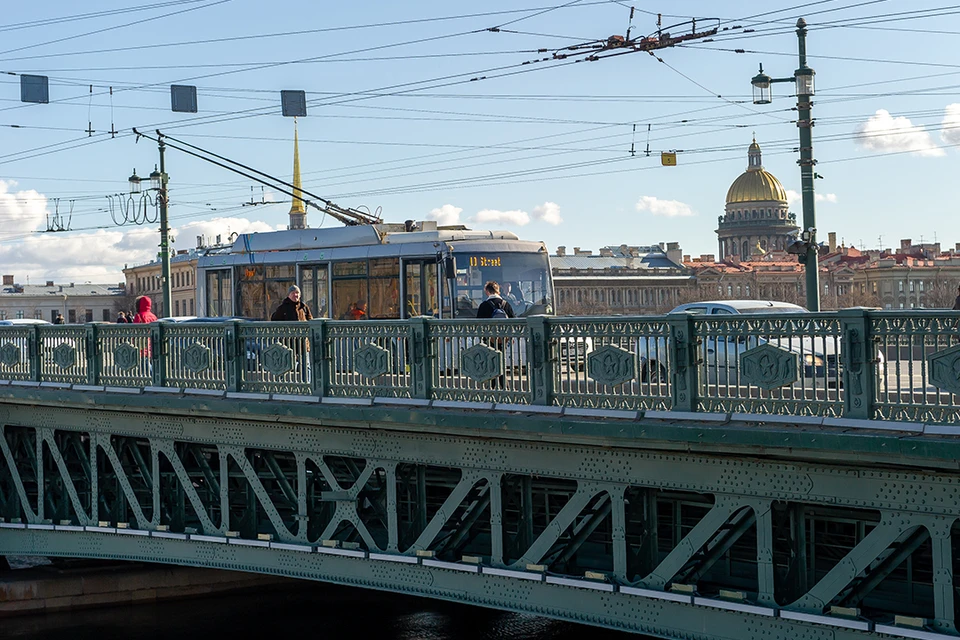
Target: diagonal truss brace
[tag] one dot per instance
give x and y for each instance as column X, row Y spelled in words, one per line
column 18, row 482
column 890, row 528
column 102, row 440
column 167, row 448
column 47, row 436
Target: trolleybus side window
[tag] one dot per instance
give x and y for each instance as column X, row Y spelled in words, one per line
column 421, row 289
column 313, row 289
column 261, row 289
column 384, row 298
column 219, row 301
column 349, row 287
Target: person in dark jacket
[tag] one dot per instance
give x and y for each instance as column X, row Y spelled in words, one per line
column 58, row 319
column 291, row 309
column 956, row 303
column 493, row 301
column 144, row 315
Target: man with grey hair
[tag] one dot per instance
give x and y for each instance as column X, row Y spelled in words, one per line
column 291, row 309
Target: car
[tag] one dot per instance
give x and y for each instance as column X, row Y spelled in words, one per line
column 820, row 358
column 21, row 321
column 721, row 354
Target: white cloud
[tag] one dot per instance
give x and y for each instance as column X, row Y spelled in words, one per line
column 20, row 210
column 950, row 127
column 666, row 208
column 793, row 196
column 885, row 133
column 548, row 212
column 516, row 217
column 97, row 256
column 446, row 215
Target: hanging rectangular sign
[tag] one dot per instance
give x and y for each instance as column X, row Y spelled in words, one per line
column 668, row 158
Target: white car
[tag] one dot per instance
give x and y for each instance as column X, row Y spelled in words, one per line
column 21, row 322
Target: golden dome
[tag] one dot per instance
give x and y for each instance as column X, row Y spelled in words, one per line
column 755, row 184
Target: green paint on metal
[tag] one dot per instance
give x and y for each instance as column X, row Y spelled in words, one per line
column 371, row 361
column 481, row 363
column 9, row 354
column 769, row 367
column 611, row 365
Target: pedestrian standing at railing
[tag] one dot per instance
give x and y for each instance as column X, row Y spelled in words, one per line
column 493, row 304
column 144, row 315
column 291, row 309
column 956, row 303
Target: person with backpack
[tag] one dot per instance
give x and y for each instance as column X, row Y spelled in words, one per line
column 494, row 306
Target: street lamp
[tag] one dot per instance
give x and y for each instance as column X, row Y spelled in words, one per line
column 803, row 78
column 158, row 184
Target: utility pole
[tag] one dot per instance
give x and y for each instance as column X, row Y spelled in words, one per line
column 164, row 233
column 803, row 77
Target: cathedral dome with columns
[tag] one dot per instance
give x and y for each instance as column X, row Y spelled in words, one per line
column 756, row 219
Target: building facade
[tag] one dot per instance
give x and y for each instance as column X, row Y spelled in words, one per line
column 144, row 280
column 622, row 280
column 78, row 303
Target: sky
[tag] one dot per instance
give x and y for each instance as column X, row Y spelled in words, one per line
column 499, row 115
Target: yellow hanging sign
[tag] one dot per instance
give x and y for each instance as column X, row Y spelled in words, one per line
column 668, row 158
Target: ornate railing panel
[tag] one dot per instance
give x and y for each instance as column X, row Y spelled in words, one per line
column 485, row 360
column 273, row 357
column 63, row 353
column 765, row 363
column 196, row 355
column 18, row 348
column 125, row 354
column 918, row 366
column 369, row 359
column 604, row 364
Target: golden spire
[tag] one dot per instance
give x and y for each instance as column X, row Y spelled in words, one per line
column 297, row 205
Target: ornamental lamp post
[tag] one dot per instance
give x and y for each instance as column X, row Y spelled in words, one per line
column 803, row 78
column 158, row 183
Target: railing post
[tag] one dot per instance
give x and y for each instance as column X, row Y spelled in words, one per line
column 421, row 363
column 684, row 374
column 319, row 358
column 539, row 359
column 93, row 354
column 236, row 353
column 857, row 357
column 34, row 345
column 158, row 353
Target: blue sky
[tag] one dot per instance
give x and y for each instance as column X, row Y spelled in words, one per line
column 420, row 110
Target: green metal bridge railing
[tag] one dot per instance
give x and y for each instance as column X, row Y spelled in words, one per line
column 892, row 366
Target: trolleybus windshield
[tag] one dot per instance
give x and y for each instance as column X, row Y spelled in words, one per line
column 524, row 280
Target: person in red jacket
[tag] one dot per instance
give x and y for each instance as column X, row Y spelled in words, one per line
column 144, row 315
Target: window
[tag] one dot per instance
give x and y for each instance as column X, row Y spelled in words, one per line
column 901, row 287
column 921, row 286
column 20, row 314
column 38, row 314
column 106, row 315
column 911, row 286
column 176, row 307
column 191, row 306
column 219, row 293
column 88, row 315
column 72, row 316
column 874, row 288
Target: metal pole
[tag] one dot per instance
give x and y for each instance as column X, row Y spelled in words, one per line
column 164, row 237
column 806, row 162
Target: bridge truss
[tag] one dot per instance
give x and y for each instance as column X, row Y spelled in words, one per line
column 662, row 532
